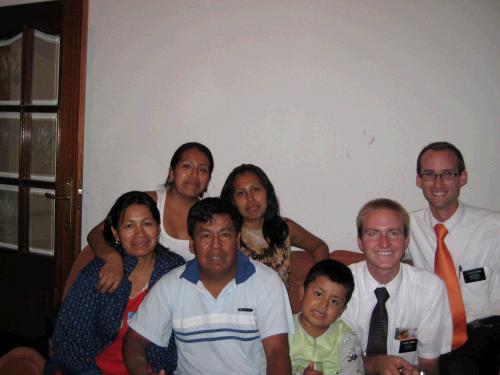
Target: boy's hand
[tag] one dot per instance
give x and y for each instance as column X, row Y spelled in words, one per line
column 309, row 370
column 111, row 273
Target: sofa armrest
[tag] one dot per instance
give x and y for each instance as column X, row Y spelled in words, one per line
column 22, row 360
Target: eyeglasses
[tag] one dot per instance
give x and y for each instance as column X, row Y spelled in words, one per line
column 445, row 175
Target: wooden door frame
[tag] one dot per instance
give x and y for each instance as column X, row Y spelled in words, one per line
column 24, row 273
column 71, row 111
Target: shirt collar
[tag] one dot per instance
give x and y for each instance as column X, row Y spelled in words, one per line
column 244, row 269
column 452, row 221
column 392, row 286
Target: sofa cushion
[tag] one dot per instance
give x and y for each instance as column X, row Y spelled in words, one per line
column 301, row 263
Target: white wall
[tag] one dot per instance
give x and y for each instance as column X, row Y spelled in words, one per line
column 333, row 99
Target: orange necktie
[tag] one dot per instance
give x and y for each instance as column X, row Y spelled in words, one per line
column 444, row 268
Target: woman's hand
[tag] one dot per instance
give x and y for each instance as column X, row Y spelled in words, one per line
column 162, row 372
column 111, row 273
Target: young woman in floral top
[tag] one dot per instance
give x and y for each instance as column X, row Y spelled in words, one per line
column 266, row 236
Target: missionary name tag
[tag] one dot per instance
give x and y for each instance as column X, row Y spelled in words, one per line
column 408, row 346
column 476, row 274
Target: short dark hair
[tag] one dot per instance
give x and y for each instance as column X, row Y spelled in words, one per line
column 274, row 228
column 188, row 146
column 115, row 215
column 383, row 204
column 336, row 272
column 441, row 146
column 204, row 210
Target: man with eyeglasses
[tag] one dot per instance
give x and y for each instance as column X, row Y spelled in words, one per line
column 468, row 239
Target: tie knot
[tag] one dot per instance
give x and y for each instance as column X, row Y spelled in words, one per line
column 382, row 294
column 441, row 231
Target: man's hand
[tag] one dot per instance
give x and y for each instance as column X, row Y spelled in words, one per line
column 309, row 370
column 111, row 273
column 389, row 365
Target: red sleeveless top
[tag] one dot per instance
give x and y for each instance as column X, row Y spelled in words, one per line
column 110, row 361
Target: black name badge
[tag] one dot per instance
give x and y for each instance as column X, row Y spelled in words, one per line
column 408, row 346
column 476, row 274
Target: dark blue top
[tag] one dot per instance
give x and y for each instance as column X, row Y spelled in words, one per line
column 89, row 321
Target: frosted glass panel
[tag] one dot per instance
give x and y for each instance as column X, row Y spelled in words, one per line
column 10, row 70
column 42, row 211
column 10, row 132
column 45, row 83
column 8, row 216
column 43, row 146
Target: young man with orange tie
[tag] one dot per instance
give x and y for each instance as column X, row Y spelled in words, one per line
column 461, row 244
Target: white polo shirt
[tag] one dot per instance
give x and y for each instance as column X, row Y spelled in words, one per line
column 417, row 309
column 220, row 335
column 474, row 243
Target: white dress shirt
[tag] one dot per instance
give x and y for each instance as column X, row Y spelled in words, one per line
column 417, row 307
column 473, row 241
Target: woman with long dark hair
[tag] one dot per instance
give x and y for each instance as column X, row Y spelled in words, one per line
column 188, row 177
column 266, row 236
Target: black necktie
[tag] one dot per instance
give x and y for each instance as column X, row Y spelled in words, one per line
column 377, row 336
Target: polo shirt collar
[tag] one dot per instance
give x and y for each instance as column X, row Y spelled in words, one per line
column 244, row 269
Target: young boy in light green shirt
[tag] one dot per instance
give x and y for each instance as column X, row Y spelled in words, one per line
column 323, row 344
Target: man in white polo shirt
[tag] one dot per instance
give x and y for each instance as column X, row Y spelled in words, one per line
column 229, row 314
column 471, row 236
column 400, row 313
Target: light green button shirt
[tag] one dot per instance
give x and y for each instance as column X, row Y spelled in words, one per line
column 337, row 351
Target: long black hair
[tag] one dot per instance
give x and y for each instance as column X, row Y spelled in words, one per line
column 115, row 215
column 274, row 228
column 178, row 154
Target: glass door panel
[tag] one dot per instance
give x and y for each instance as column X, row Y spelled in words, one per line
column 42, row 222
column 44, row 143
column 45, row 83
column 10, row 70
column 42, row 76
column 8, row 218
column 10, row 133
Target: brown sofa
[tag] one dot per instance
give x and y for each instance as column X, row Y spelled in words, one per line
column 302, row 262
column 22, row 361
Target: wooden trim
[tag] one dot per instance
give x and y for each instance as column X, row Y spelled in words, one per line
column 71, row 116
column 25, row 151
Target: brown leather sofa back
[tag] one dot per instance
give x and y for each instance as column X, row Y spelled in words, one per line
column 301, row 263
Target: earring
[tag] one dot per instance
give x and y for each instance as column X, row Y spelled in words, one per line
column 117, row 242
